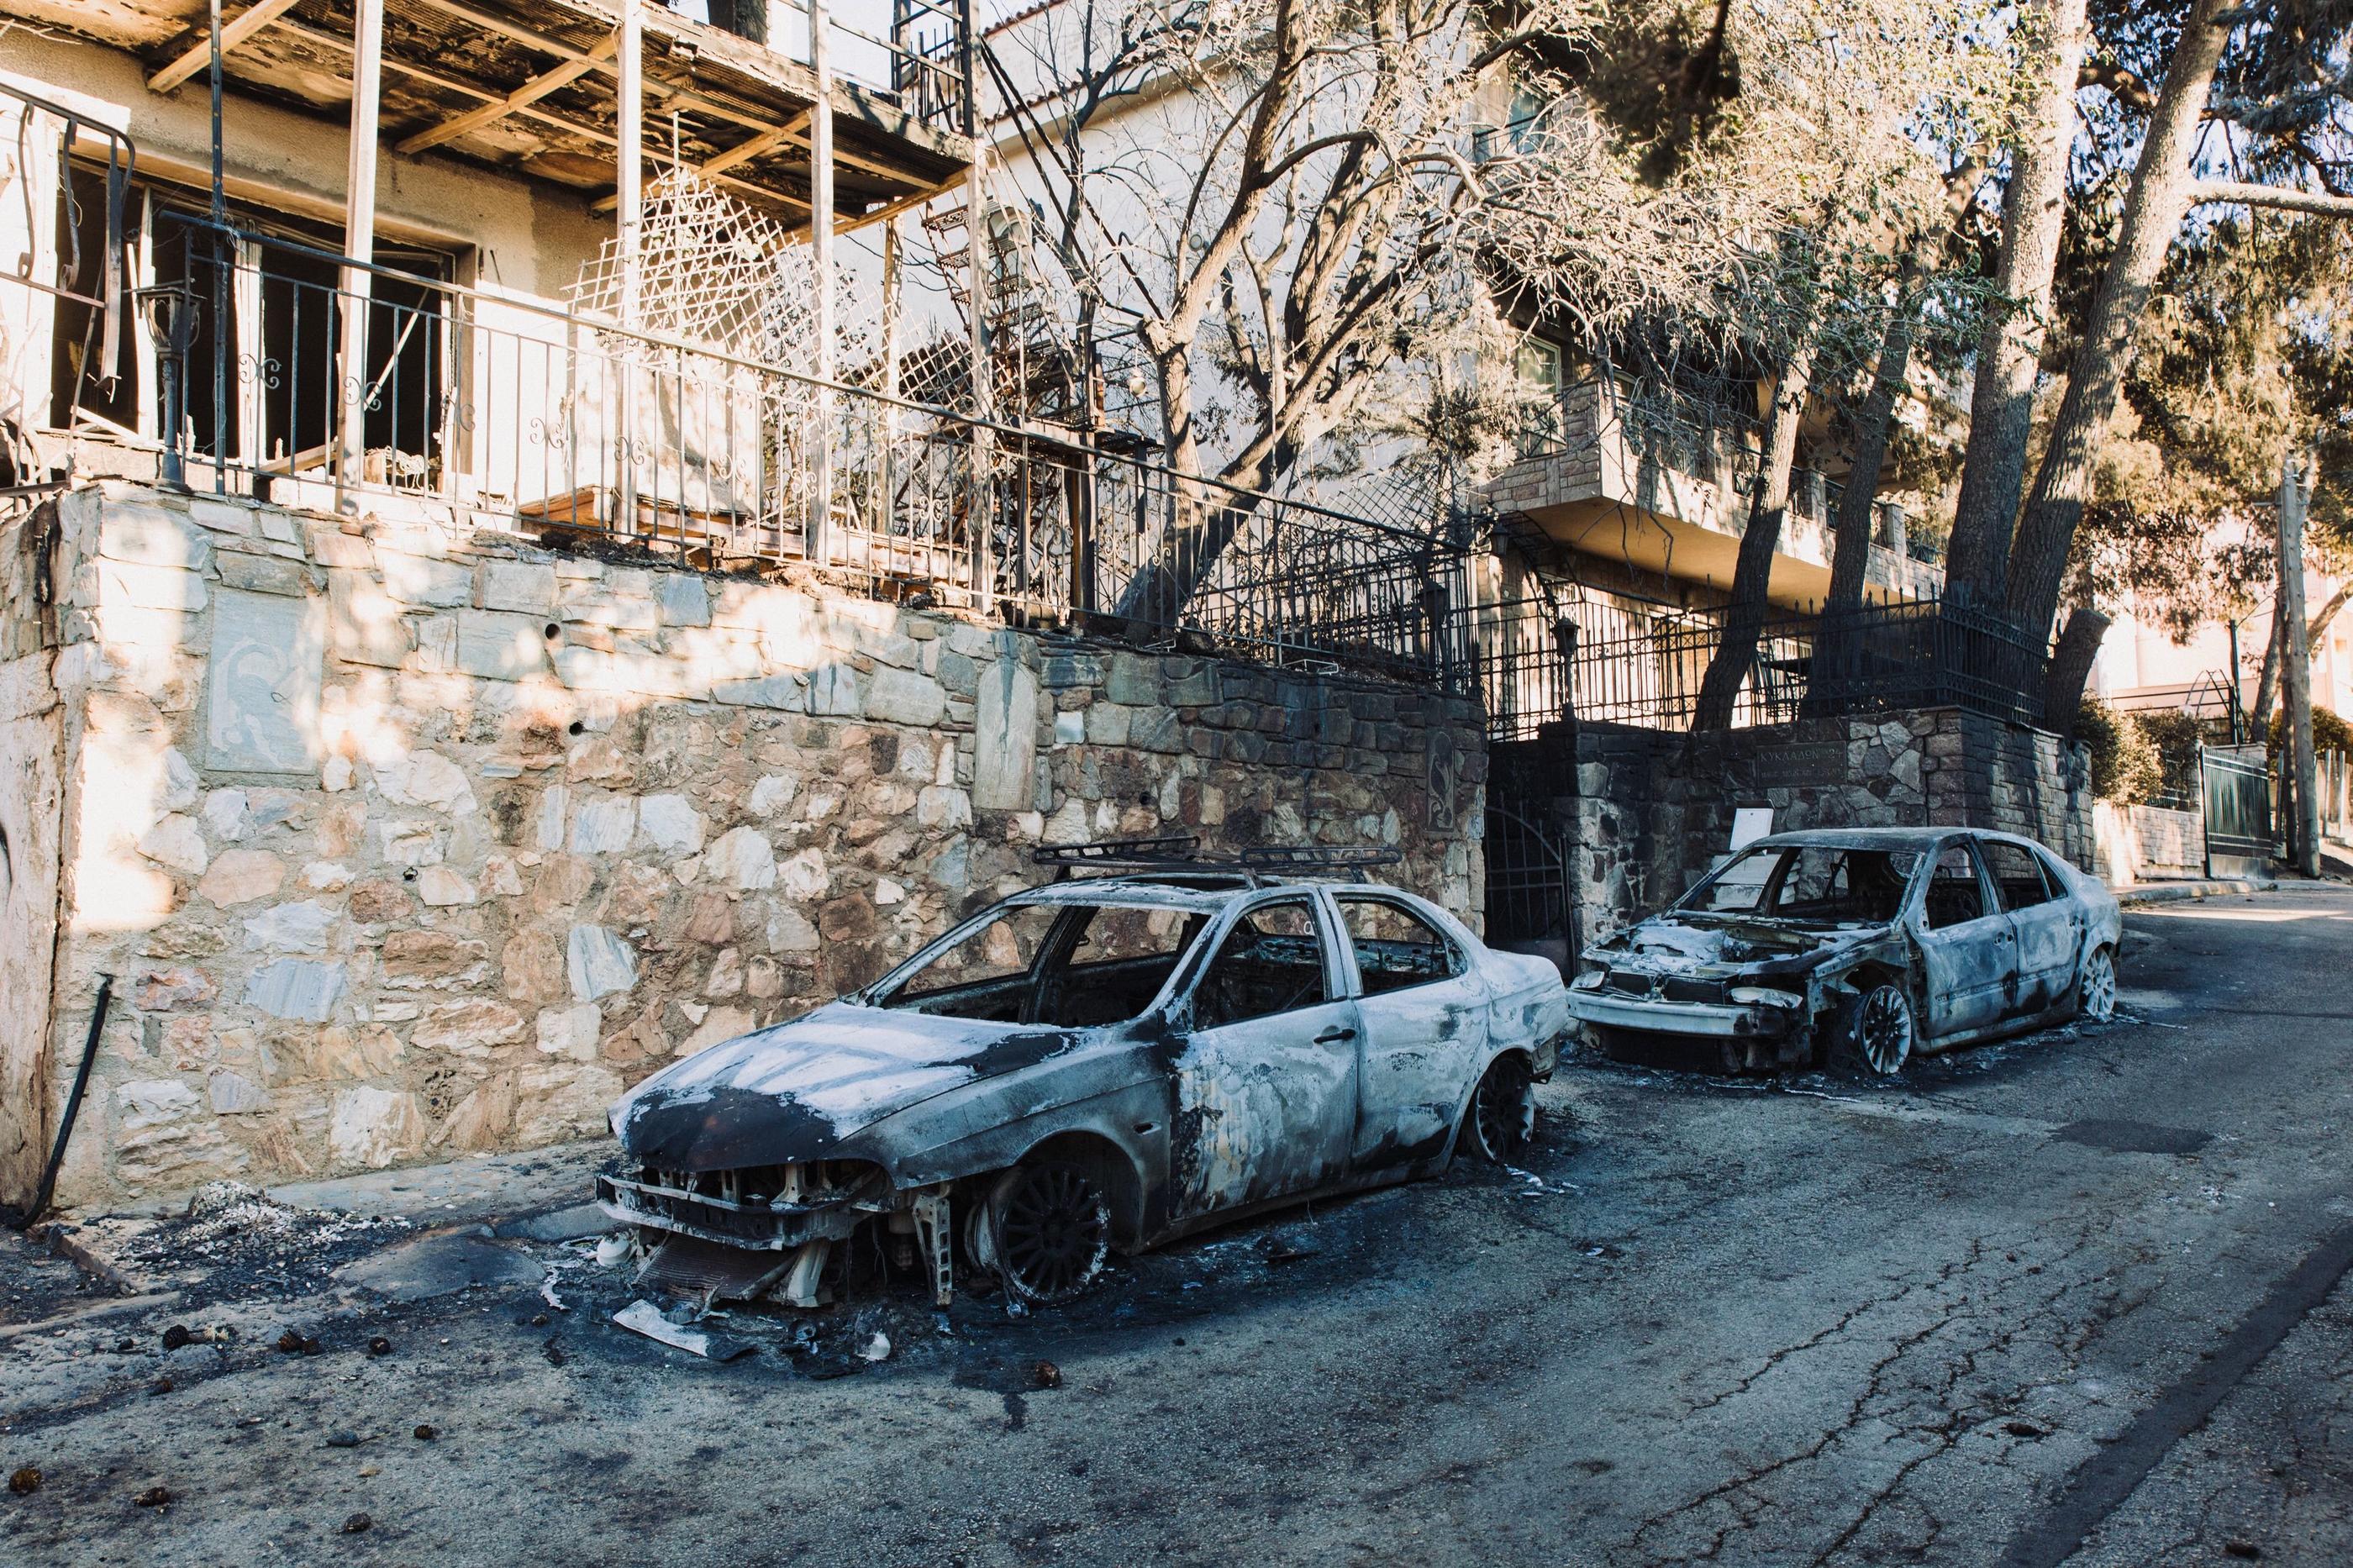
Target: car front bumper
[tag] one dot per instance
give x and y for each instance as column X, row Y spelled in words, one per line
column 1718, row 1020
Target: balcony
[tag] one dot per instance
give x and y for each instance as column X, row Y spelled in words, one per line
column 1664, row 491
column 535, row 86
column 480, row 411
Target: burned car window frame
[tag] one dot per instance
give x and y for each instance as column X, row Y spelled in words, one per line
column 1320, row 927
column 1457, row 962
column 1785, row 856
column 1068, row 926
column 1990, row 902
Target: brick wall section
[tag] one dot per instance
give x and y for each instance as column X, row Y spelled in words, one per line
column 403, row 845
column 1651, row 810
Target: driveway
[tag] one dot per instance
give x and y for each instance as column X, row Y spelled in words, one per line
column 2078, row 1294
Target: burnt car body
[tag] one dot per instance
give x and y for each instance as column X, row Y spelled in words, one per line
column 1105, row 1063
column 1865, row 943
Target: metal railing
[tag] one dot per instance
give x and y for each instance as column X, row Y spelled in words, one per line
column 1605, row 662
column 566, row 426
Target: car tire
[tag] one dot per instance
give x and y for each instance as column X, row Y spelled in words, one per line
column 1876, row 1031
column 2095, row 988
column 1502, row 1113
column 1045, row 1231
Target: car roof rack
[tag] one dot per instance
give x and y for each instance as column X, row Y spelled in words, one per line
column 1181, row 853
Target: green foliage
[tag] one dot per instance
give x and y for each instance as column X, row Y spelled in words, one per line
column 2139, row 757
column 2329, row 732
column 2175, row 737
column 2125, row 766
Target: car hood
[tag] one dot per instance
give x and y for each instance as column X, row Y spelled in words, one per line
column 1670, row 946
column 797, row 1091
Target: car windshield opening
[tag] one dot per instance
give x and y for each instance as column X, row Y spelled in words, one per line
column 1070, row 966
column 1811, row 884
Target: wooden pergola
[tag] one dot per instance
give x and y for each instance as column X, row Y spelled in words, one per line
column 538, row 88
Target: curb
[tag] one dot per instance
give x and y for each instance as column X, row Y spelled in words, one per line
column 2185, row 892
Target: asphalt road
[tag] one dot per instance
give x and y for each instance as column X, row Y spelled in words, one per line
column 2078, row 1297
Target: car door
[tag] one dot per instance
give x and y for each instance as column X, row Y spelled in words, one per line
column 1423, row 1009
column 1264, row 1090
column 1965, row 945
column 2045, row 923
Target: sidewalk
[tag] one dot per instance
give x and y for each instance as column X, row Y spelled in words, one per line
column 2199, row 889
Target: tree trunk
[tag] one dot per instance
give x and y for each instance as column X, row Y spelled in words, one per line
column 1769, row 507
column 1838, row 648
column 1850, row 549
column 2001, row 404
column 2295, row 678
column 2259, row 719
column 2154, row 209
column 2071, row 669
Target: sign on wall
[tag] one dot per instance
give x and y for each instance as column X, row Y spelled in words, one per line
column 261, row 711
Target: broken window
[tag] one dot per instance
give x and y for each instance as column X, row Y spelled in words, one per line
column 260, row 388
column 1814, row 883
column 1121, row 959
column 985, row 973
column 1270, row 962
column 1956, row 893
column 1395, row 948
column 2018, row 874
column 86, row 386
column 1072, row 966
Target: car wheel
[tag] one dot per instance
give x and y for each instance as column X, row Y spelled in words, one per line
column 1503, row 1110
column 2095, row 992
column 1045, row 1230
column 1876, row 1032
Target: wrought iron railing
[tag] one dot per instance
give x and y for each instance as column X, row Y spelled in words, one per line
column 567, row 425
column 1599, row 661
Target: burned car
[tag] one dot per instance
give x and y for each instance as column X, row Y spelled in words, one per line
column 1863, row 945
column 1105, row 1063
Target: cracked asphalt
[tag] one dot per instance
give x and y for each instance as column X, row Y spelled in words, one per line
column 2076, row 1298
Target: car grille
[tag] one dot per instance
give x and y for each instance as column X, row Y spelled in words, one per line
column 753, row 1205
column 1675, row 988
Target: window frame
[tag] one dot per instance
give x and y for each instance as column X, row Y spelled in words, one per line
column 1989, row 895
column 2054, row 890
column 1194, row 972
column 1458, row 955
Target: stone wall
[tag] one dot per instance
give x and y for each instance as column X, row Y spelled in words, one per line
column 2148, row 843
column 402, row 844
column 1647, row 812
column 32, row 749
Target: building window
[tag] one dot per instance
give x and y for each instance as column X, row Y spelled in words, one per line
column 262, row 389
column 1541, row 383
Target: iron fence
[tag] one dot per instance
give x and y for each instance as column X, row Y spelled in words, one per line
column 565, row 425
column 1608, row 662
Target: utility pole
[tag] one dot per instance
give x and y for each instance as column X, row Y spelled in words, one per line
column 2304, row 825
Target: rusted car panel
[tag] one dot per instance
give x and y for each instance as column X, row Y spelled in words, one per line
column 1805, row 943
column 1187, row 1050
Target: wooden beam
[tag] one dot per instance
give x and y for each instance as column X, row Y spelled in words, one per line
column 742, row 153
column 580, row 128
column 681, row 96
column 234, row 31
column 530, row 92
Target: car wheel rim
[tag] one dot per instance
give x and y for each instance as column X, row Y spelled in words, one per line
column 1884, row 1029
column 1505, row 1107
column 2100, row 986
column 1051, row 1235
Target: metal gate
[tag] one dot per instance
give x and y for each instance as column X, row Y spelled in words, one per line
column 1530, row 905
column 2236, row 793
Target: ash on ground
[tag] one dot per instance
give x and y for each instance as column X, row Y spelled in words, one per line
column 238, row 1240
